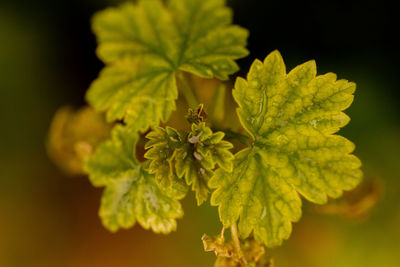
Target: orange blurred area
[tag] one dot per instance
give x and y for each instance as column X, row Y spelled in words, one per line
column 49, row 218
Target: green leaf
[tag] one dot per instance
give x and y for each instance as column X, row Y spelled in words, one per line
column 191, row 155
column 145, row 45
column 131, row 193
column 139, row 92
column 292, row 119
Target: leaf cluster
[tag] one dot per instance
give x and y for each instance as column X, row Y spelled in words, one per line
column 192, row 156
column 291, row 119
column 146, row 47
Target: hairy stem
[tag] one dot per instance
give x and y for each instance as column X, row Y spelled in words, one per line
column 187, row 91
column 236, row 244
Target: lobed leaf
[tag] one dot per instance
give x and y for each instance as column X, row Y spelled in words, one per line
column 292, row 119
column 140, row 92
column 145, row 45
column 131, row 194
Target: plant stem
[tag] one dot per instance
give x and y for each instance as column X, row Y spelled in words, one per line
column 236, row 244
column 187, row 91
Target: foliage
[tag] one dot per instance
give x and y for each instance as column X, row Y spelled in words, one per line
column 292, row 119
column 191, row 155
column 146, row 45
column 131, row 193
column 150, row 48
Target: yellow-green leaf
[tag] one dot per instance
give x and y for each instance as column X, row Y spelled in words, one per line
column 131, row 194
column 292, row 119
column 145, row 45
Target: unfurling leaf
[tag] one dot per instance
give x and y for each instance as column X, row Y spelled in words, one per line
column 131, row 193
column 196, row 116
column 252, row 253
column 191, row 155
column 218, row 245
column 292, row 119
column 146, row 44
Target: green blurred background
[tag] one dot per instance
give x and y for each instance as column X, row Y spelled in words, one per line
column 47, row 60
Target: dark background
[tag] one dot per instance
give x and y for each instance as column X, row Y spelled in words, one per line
column 47, row 60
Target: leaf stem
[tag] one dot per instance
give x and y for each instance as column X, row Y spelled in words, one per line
column 236, row 244
column 229, row 134
column 187, row 91
column 221, row 235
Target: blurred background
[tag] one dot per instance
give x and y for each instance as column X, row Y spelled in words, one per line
column 47, row 60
